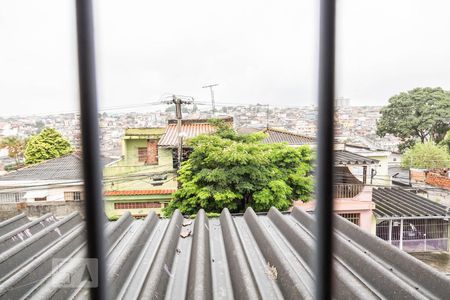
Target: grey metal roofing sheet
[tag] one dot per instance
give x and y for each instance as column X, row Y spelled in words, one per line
column 281, row 136
column 244, row 257
column 68, row 167
column 343, row 157
column 398, row 203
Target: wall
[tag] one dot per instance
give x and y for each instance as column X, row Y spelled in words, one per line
column 163, row 200
column 37, row 209
column 57, row 194
column 382, row 169
column 361, row 204
column 126, row 166
column 438, row 180
column 417, row 175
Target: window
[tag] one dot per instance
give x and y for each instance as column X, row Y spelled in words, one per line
column 11, row 197
column 136, row 205
column 354, row 218
column 142, row 154
column 40, row 199
column 73, row 196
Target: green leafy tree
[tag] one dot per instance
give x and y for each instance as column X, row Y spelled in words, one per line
column 237, row 171
column 48, row 144
column 421, row 114
column 426, row 156
column 446, row 142
column 15, row 146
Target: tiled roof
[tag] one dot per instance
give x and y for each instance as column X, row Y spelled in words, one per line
column 68, row 167
column 343, row 157
column 190, row 130
column 232, row 257
column 139, row 192
column 391, row 203
column 281, row 136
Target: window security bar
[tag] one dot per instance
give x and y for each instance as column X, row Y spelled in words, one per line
column 95, row 216
column 91, row 151
column 325, row 153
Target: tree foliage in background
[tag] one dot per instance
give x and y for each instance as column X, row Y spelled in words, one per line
column 48, row 144
column 237, row 171
column 446, row 141
column 421, row 114
column 426, row 156
column 15, row 146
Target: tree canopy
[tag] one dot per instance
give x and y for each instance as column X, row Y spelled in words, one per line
column 420, row 114
column 446, row 141
column 236, row 171
column 48, row 144
column 15, row 146
column 426, row 156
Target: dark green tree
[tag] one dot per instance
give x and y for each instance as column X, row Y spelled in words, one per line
column 422, row 114
column 237, row 171
column 48, row 144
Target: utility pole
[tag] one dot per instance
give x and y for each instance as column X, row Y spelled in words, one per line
column 178, row 101
column 213, row 104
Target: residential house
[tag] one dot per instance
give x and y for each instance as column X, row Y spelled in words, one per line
column 353, row 199
column 379, row 172
column 54, row 185
column 146, row 177
column 409, row 221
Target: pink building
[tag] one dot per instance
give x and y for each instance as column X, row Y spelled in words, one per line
column 358, row 209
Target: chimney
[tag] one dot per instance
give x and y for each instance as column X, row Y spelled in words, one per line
column 152, row 151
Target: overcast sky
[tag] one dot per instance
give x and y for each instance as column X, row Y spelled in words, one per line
column 258, row 51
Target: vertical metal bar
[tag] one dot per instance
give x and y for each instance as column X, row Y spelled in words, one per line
column 90, row 136
column 401, row 235
column 390, row 231
column 325, row 153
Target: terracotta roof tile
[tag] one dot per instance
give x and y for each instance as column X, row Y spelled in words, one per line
column 139, row 192
column 170, row 138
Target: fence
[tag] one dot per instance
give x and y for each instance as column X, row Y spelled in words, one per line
column 418, row 234
column 347, row 190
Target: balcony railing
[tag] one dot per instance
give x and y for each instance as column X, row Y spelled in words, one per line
column 347, row 190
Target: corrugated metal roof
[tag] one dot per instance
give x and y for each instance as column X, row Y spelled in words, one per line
column 281, row 136
column 343, row 157
column 68, row 167
column 391, row 203
column 139, row 192
column 190, row 130
column 244, row 257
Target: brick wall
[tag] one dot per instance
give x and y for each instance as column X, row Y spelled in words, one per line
column 418, row 175
column 152, row 152
column 438, row 180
